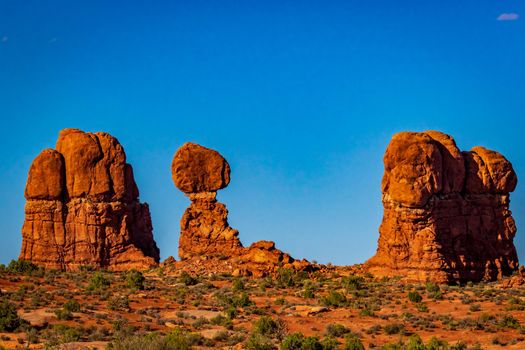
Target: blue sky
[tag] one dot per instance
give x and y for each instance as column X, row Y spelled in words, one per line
column 301, row 97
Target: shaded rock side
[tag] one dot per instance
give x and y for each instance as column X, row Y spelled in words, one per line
column 206, row 238
column 82, row 207
column 446, row 212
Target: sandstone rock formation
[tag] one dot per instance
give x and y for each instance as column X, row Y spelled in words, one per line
column 205, row 234
column 82, row 207
column 446, row 212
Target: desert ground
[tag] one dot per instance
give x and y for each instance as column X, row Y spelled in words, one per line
column 332, row 308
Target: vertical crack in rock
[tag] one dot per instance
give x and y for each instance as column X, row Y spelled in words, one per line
column 446, row 212
column 82, row 207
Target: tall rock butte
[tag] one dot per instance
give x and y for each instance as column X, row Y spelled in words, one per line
column 446, row 212
column 82, row 207
column 205, row 234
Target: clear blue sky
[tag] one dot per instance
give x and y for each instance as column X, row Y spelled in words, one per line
column 301, row 97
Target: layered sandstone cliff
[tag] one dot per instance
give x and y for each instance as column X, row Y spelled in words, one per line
column 82, row 207
column 446, row 212
column 205, row 234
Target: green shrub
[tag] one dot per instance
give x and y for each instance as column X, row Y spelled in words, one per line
column 509, row 322
column 336, row 330
column 415, row 297
column 63, row 314
column 353, row 282
column 98, row 282
column 119, row 303
column 293, row 342
column 9, row 320
column 415, row 343
column 334, row 298
column 394, row 328
column 71, row 306
column 352, row 342
column 237, row 285
column 177, row 339
column 265, row 325
column 187, row 279
column 23, row 267
column 285, row 277
column 135, row 280
column 259, row 342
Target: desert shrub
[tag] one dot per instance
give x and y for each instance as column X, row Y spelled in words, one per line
column 336, row 330
column 259, row 342
column 474, row 307
column 71, row 306
column 135, row 280
column 241, row 300
column 329, row 343
column 334, row 298
column 98, row 282
column 119, row 303
column 23, row 267
column 221, row 320
column 269, row 327
column 187, row 279
column 352, row 342
column 60, row 334
column 508, row 321
column 237, row 285
column 415, row 343
column 393, row 328
column 9, row 320
column 177, row 339
column 298, row 341
column 63, row 314
column 285, row 278
column 414, row 297
column 352, row 282
column 293, row 342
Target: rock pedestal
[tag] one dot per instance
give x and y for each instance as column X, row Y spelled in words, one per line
column 205, row 234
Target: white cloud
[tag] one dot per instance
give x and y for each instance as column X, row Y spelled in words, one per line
column 508, row 17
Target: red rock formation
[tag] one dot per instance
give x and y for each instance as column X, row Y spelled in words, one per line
column 82, row 207
column 205, row 233
column 446, row 212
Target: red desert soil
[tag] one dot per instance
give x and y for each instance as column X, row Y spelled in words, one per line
column 223, row 309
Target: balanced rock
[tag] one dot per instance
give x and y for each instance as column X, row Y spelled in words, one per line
column 82, row 207
column 200, row 172
column 446, row 212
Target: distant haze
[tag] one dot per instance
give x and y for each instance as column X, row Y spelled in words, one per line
column 300, row 98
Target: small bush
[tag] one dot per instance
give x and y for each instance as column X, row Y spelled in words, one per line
column 336, row 330
column 71, row 306
column 187, row 279
column 394, row 328
column 98, row 282
column 237, row 285
column 119, row 303
column 353, row 282
column 334, row 298
column 63, row 314
column 352, row 342
column 9, row 320
column 259, row 342
column 23, row 267
column 415, row 297
column 135, row 280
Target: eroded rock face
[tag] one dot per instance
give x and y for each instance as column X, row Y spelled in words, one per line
column 205, row 233
column 82, row 207
column 446, row 212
